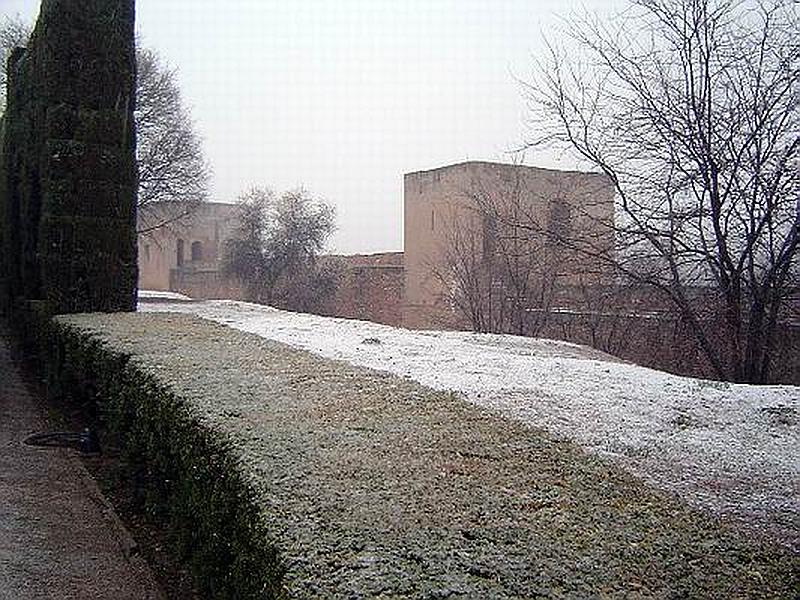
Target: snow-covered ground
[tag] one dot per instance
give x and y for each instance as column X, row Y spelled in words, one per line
column 734, row 449
column 148, row 295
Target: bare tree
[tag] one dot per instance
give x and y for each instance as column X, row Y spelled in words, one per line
column 173, row 172
column 466, row 279
column 690, row 107
column 275, row 252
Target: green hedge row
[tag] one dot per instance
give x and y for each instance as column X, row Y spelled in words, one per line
column 188, row 474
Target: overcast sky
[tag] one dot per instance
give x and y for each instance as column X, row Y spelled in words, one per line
column 345, row 96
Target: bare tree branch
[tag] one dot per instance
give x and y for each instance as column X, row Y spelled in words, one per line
column 173, row 172
column 690, row 107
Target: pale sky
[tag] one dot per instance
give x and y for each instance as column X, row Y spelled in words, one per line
column 345, row 96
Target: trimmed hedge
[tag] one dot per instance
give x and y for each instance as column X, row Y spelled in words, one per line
column 289, row 475
column 188, row 474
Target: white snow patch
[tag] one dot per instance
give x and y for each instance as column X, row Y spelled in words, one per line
column 161, row 295
column 732, row 448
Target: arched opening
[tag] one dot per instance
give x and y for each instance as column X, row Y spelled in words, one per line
column 179, row 257
column 197, row 251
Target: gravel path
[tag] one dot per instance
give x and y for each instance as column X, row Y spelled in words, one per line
column 732, row 449
column 375, row 486
column 59, row 539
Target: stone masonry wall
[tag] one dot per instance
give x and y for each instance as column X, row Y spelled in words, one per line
column 205, row 284
column 369, row 287
column 68, row 173
column 661, row 342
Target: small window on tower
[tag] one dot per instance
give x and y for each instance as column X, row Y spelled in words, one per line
column 433, row 220
column 560, row 220
column 489, row 237
column 197, row 251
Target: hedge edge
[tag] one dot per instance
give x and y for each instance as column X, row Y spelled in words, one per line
column 189, row 474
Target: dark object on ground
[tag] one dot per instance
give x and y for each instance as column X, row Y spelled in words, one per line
column 60, row 538
column 86, row 441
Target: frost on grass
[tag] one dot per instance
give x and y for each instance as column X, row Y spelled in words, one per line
column 375, row 486
column 730, row 448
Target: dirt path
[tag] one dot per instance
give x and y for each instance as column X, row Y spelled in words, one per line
column 59, row 538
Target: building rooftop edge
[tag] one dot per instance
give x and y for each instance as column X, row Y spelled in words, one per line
column 500, row 164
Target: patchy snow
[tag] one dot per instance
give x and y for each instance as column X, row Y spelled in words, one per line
column 160, row 295
column 732, row 448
